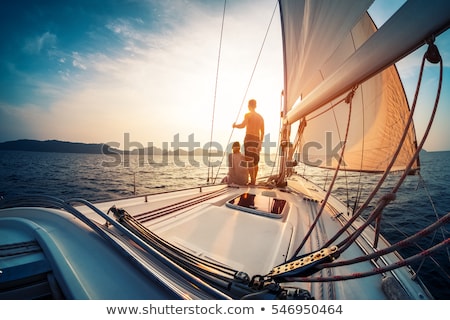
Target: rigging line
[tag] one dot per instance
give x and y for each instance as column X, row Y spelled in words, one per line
column 360, row 189
column 277, row 158
column 177, row 254
column 157, row 213
column 197, row 197
column 388, row 168
column 427, row 131
column 153, row 252
column 249, row 83
column 393, row 266
column 386, row 199
column 215, row 89
column 411, row 240
column 60, row 204
column 321, row 113
column 375, row 214
column 425, row 135
column 437, row 264
column 326, row 110
column 257, row 62
column 347, row 100
column 295, row 151
column 331, row 107
column 326, row 180
column 421, row 179
column 339, row 135
column 200, row 270
column 134, row 229
column 330, row 187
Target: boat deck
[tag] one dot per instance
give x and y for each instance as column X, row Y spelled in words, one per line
column 211, row 225
column 252, row 230
column 203, row 224
column 233, row 229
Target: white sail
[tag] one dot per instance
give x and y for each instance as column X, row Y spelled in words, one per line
column 339, row 49
column 379, row 115
column 312, row 31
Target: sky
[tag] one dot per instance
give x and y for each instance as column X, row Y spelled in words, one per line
column 146, row 71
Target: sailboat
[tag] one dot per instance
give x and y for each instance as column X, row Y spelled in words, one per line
column 283, row 238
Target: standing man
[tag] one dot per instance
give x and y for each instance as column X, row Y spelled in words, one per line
column 254, row 123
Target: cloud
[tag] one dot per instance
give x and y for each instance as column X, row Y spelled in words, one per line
column 77, row 61
column 160, row 82
column 126, row 28
column 37, row 44
column 156, row 82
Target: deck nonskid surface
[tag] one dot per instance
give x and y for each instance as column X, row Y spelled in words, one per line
column 241, row 240
column 209, row 229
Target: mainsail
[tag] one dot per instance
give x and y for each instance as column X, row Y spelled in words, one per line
column 331, row 49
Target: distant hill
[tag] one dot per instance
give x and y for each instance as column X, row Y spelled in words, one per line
column 57, row 146
column 91, row 148
column 95, row 148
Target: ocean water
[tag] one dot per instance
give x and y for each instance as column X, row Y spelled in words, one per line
column 102, row 177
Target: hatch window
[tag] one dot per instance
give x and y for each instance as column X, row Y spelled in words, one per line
column 258, row 204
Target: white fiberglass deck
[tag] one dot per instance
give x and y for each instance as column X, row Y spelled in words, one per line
column 210, row 224
column 240, row 239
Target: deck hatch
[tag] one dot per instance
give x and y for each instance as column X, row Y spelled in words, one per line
column 258, row 204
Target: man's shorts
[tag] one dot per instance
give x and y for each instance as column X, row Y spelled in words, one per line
column 251, row 149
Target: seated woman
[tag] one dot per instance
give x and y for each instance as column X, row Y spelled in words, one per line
column 238, row 170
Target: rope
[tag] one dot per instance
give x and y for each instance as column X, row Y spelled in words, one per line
column 437, row 217
column 337, row 126
column 248, row 85
column 48, row 201
column 376, row 271
column 165, row 210
column 416, row 244
column 388, row 169
column 277, row 164
column 215, row 89
column 401, row 244
column 187, row 260
column 388, row 198
column 325, row 200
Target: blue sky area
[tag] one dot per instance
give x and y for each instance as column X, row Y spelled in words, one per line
column 91, row 71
